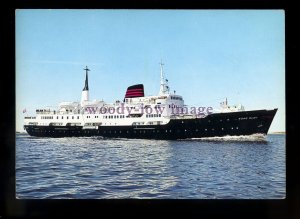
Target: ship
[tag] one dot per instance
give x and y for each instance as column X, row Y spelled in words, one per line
column 137, row 116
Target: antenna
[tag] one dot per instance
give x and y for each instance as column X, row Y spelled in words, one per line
column 164, row 89
column 161, row 72
column 86, row 69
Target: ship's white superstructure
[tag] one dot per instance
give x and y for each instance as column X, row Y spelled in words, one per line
column 143, row 110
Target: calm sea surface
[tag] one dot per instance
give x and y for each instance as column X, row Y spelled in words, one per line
column 96, row 168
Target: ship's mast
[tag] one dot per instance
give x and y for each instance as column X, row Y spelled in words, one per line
column 164, row 88
column 85, row 91
column 86, row 85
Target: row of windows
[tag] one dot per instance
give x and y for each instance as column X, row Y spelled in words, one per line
column 141, row 131
column 170, row 131
column 47, row 117
column 176, row 98
column 67, row 117
column 90, row 117
column 114, row 117
column 152, row 115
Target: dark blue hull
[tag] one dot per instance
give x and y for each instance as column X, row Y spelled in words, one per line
column 214, row 125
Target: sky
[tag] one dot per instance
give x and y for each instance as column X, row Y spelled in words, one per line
column 208, row 55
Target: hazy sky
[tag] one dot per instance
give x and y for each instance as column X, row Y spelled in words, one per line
column 208, row 55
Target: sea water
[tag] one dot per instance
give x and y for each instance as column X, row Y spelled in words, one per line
column 96, row 168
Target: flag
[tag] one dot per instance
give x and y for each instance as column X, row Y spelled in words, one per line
column 24, row 110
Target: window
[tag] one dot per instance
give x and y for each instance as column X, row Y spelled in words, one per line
column 67, row 117
column 72, row 117
column 56, row 117
column 62, row 117
column 77, row 117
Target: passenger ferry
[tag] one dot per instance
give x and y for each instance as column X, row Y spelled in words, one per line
column 162, row 116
